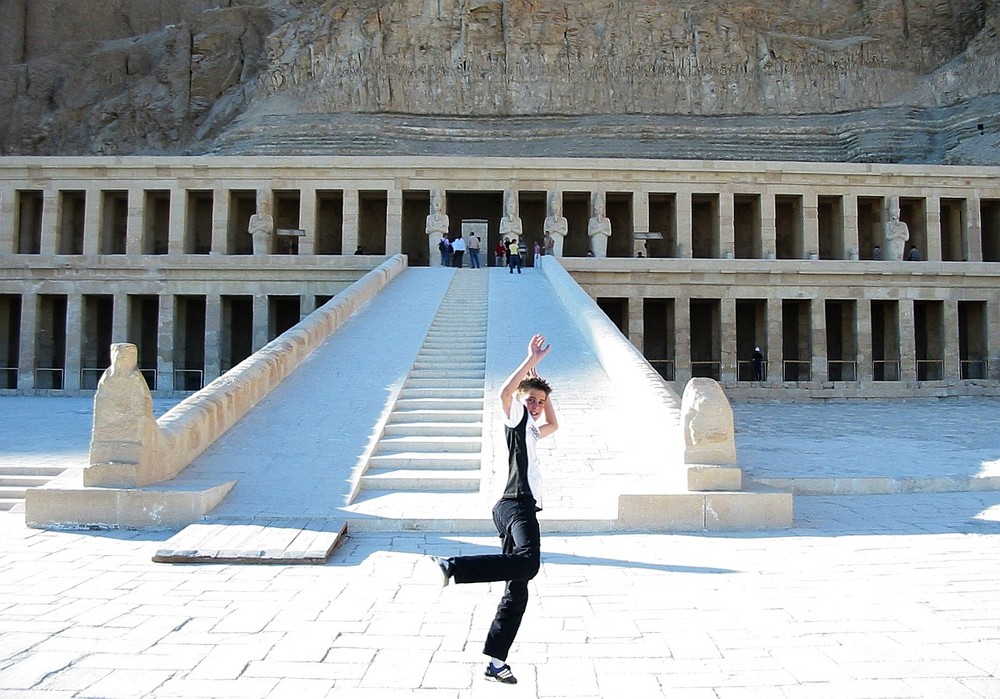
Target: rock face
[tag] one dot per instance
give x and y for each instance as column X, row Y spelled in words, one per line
column 129, row 76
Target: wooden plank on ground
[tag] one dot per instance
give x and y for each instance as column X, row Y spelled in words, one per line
column 261, row 541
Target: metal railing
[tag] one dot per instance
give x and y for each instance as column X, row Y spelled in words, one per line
column 796, row 370
column 842, row 370
column 711, row 370
column 974, row 368
column 8, row 376
column 664, row 367
column 885, row 370
column 930, row 369
column 89, row 376
column 49, row 377
column 744, row 370
column 188, row 379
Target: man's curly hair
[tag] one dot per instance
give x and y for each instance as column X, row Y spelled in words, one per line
column 534, row 382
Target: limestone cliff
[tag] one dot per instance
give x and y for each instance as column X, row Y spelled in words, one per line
column 128, row 76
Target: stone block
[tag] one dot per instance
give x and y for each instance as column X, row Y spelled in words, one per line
column 662, row 512
column 760, row 509
column 66, row 503
column 701, row 478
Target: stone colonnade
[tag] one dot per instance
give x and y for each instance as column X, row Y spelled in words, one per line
column 156, row 251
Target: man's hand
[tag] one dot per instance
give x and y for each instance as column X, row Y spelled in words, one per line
column 537, row 349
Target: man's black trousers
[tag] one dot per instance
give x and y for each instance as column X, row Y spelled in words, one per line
column 518, row 563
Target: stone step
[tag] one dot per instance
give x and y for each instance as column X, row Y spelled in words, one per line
column 447, row 374
column 441, row 362
column 22, row 481
column 439, row 392
column 440, row 401
column 435, row 416
column 439, row 443
column 8, row 504
column 430, row 429
column 427, row 461
column 421, row 481
column 12, row 493
column 50, row 471
column 424, row 382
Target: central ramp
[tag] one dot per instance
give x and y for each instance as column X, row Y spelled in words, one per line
column 393, row 423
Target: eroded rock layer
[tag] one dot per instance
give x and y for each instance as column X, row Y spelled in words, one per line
column 129, row 76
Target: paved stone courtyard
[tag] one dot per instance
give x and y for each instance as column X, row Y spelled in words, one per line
column 868, row 596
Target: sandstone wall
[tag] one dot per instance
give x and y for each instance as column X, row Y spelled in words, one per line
column 531, row 57
column 133, row 76
column 123, row 77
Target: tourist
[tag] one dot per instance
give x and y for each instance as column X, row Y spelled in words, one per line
column 529, row 416
column 457, row 250
column 500, row 251
column 877, row 253
column 538, row 255
column 473, row 246
column 914, row 254
column 758, row 364
column 513, row 256
column 444, row 245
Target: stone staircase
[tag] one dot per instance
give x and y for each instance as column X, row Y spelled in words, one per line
column 15, row 480
column 433, row 437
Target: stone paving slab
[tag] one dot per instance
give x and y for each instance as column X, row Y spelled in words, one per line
column 271, row 541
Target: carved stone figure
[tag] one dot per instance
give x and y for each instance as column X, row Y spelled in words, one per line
column 599, row 226
column 124, row 429
column 555, row 227
column 896, row 234
column 510, row 224
column 437, row 223
column 707, row 423
column 261, row 225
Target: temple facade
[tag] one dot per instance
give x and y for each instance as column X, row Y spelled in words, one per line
column 849, row 279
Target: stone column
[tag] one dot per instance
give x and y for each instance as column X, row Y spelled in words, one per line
column 952, row 358
column 74, row 336
column 727, row 227
column 640, row 222
column 852, row 244
column 352, row 209
column 178, row 224
column 8, row 214
column 768, row 227
column 932, row 225
column 682, row 337
column 119, row 313
column 727, row 340
column 973, row 235
column 92, row 221
column 50, row 219
column 165, row 336
column 907, row 342
column 993, row 339
column 775, row 356
column 260, row 321
column 634, row 330
column 27, row 342
column 864, row 340
column 820, row 370
column 220, row 221
column 394, row 222
column 307, row 220
column 810, row 227
column 135, row 223
column 685, row 248
column 213, row 331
